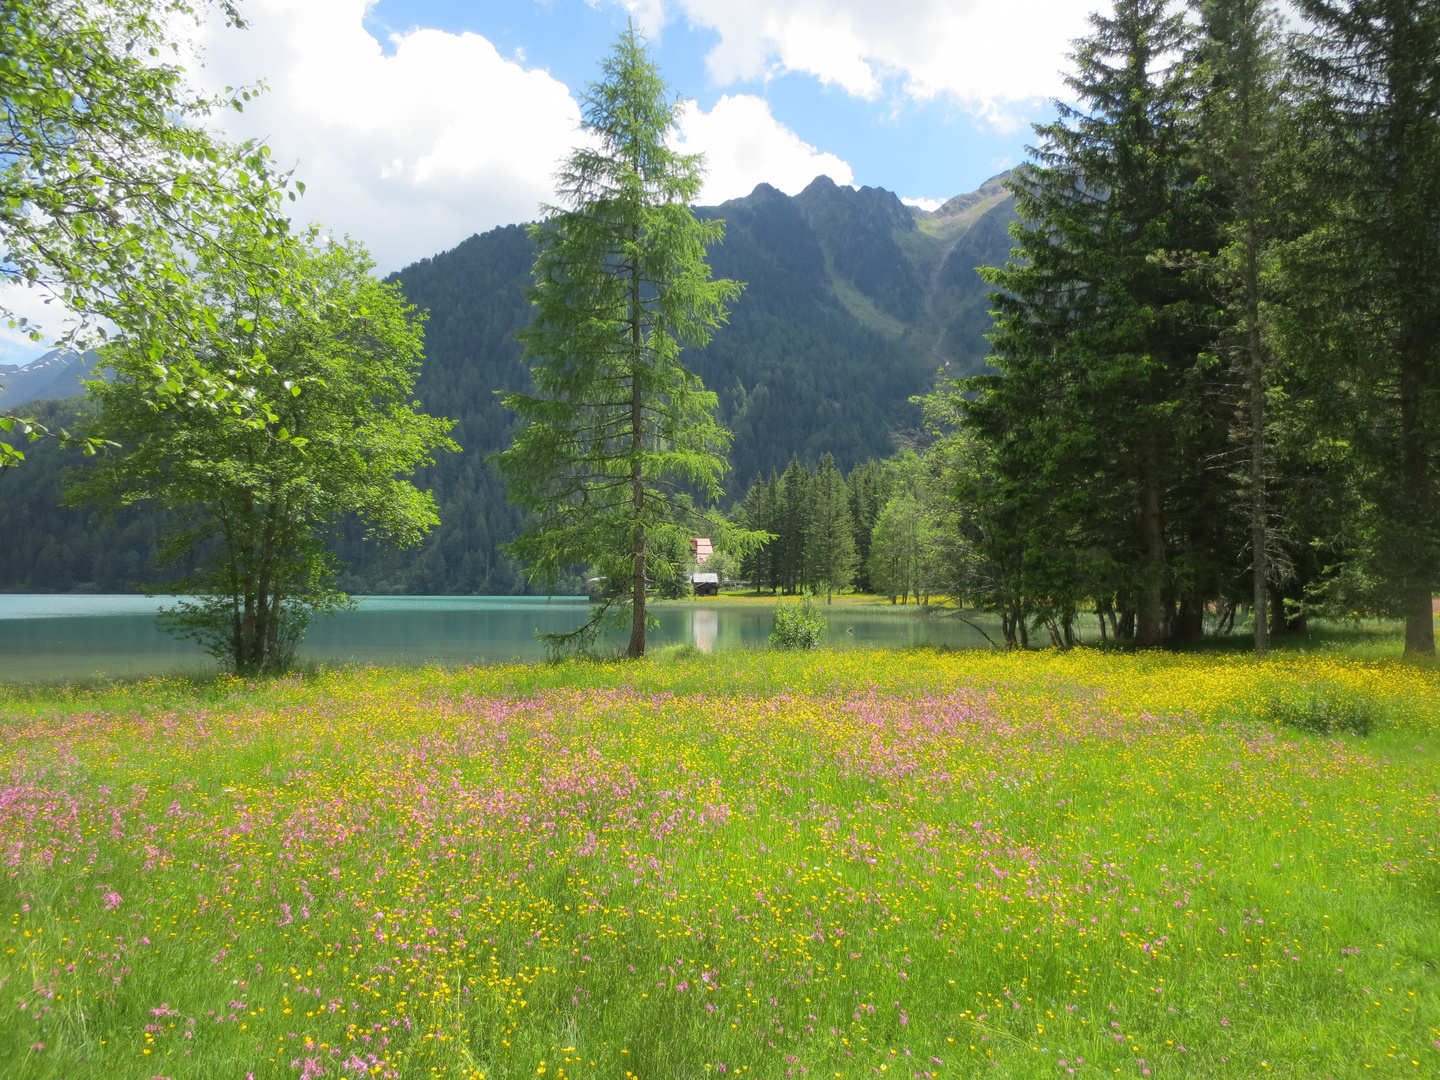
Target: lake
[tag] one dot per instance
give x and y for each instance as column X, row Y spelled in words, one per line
column 65, row 636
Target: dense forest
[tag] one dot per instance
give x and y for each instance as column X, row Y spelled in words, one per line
column 853, row 301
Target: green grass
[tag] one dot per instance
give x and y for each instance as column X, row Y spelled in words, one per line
column 855, row 864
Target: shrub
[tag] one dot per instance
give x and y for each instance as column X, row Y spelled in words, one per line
column 797, row 625
column 1324, row 710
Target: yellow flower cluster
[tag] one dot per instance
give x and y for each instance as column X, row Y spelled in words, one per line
column 828, row 865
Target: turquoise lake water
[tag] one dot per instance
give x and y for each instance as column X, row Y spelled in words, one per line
column 63, row 636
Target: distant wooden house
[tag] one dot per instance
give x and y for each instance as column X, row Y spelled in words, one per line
column 702, row 583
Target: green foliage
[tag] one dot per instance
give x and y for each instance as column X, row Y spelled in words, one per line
column 253, row 504
column 1102, row 420
column 111, row 189
column 829, row 543
column 797, row 624
column 904, row 556
column 1322, row 710
column 618, row 430
column 1362, row 317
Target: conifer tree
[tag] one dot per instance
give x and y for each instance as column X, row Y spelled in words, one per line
column 829, row 545
column 1367, row 302
column 760, row 513
column 1097, row 415
column 793, row 512
column 618, row 427
column 1243, row 122
column 867, row 489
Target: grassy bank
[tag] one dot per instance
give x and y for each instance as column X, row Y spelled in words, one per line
column 825, row 865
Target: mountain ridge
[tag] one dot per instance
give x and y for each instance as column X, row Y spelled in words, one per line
column 853, row 302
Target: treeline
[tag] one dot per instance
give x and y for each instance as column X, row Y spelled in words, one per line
column 876, row 530
column 1217, row 338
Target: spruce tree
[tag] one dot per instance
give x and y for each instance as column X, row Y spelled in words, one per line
column 1097, row 414
column 867, row 489
column 758, row 513
column 829, row 545
column 1370, row 270
column 1243, row 135
column 793, row 512
column 618, row 428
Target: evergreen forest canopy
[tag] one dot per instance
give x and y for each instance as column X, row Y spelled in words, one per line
column 1212, row 381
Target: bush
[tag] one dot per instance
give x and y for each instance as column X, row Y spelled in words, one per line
column 1324, row 711
column 797, row 625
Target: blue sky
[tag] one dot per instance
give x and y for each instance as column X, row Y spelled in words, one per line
column 416, row 123
column 931, row 149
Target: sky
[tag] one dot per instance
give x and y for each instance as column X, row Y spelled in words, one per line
column 417, row 123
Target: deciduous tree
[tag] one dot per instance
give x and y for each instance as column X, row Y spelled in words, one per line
column 253, row 505
column 111, row 188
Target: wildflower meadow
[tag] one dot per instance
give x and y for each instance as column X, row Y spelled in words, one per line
column 817, row 865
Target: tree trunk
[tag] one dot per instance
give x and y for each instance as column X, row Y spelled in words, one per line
column 637, row 478
column 1419, row 581
column 1258, row 513
column 1190, row 619
column 1150, row 621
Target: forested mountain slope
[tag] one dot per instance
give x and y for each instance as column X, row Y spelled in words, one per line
column 852, row 302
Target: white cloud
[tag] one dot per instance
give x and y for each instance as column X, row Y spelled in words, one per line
column 990, row 56
column 924, row 204
column 745, row 145
column 410, row 152
column 23, row 301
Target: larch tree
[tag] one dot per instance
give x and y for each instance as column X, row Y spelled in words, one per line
column 619, row 435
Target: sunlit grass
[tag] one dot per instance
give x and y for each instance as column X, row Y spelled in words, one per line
column 758, row 864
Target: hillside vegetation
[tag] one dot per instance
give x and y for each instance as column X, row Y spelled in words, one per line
column 854, row 300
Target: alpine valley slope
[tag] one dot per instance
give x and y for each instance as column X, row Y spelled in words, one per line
column 853, row 302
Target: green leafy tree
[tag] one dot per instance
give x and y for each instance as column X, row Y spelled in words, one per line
column 829, row 545
column 255, row 506
column 110, row 188
column 619, row 432
column 1365, row 305
column 904, row 560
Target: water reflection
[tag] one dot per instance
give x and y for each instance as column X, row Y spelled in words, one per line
column 705, row 628
column 52, row 637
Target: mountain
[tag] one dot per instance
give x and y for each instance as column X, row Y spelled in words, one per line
column 57, row 374
column 853, row 300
